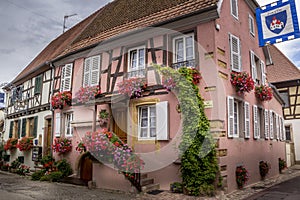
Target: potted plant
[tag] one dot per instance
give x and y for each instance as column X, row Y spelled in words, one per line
column 47, row 162
column 263, row 92
column 263, row 169
column 242, row 176
column 133, row 87
column 11, row 144
column 23, row 170
column 61, row 99
column 62, row 145
column 87, row 93
column 25, row 143
column 282, row 164
column 242, row 82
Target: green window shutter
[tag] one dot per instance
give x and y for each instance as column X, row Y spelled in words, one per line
column 35, row 126
column 38, row 85
column 11, row 128
column 19, row 128
column 23, row 134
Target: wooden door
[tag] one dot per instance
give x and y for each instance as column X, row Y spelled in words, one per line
column 86, row 170
column 120, row 124
column 47, row 144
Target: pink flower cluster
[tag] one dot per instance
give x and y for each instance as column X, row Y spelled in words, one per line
column 242, row 81
column 61, row 99
column 88, row 93
column 264, row 92
column 62, row 145
column 133, row 87
column 169, row 83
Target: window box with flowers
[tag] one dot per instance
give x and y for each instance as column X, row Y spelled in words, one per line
column 242, row 82
column 25, row 143
column 62, row 145
column 61, row 99
column 133, row 87
column 242, row 176
column 263, row 92
column 86, row 94
column 11, row 144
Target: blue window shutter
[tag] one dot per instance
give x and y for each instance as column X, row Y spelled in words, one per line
column 23, row 134
column 11, row 128
column 35, row 127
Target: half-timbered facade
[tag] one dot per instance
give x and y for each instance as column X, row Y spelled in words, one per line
column 215, row 37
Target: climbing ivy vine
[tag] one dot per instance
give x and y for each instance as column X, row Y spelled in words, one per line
column 199, row 166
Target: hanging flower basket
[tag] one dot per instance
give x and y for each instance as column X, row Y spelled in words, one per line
column 62, row 145
column 11, row 144
column 88, row 93
column 25, row 143
column 263, row 92
column 133, row 87
column 242, row 82
column 61, row 99
column 242, row 176
column 80, row 147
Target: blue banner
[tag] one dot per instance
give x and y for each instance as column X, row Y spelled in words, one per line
column 277, row 22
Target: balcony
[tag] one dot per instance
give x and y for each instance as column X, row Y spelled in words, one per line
column 187, row 63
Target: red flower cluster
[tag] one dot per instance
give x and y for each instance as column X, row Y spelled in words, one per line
column 80, row 147
column 87, row 93
column 242, row 176
column 133, row 87
column 264, row 92
column 61, row 99
column 62, row 145
column 242, row 81
column 25, row 143
column 11, row 143
column 196, row 75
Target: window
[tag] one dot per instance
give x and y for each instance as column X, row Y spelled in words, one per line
column 68, row 126
column 234, row 8
column 266, row 123
column 288, row 133
column 272, row 119
column 15, row 129
column 153, row 121
column 136, row 61
column 257, row 69
column 38, row 84
column 235, row 53
column 184, row 48
column 32, row 126
column 251, row 25
column 66, row 77
column 17, row 94
column 238, row 118
column 57, row 124
column 256, row 122
column 91, row 71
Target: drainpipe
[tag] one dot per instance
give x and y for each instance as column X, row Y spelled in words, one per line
column 51, row 109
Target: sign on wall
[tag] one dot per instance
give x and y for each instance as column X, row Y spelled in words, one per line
column 277, row 22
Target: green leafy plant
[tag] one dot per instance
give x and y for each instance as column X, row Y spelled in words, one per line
column 64, row 167
column 23, row 170
column 15, row 164
column 199, row 165
column 264, row 169
column 36, row 176
column 47, row 162
column 282, row 164
column 242, row 176
column 176, row 187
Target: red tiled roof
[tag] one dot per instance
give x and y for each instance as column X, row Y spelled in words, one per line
column 123, row 15
column 56, row 47
column 282, row 69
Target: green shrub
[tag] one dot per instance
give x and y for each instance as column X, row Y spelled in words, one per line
column 55, row 176
column 45, row 178
column 37, row 175
column 15, row 164
column 64, row 167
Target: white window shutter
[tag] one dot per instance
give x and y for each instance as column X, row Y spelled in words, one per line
column 255, row 122
column 86, row 72
column 247, row 119
column 230, row 113
column 283, row 130
column 235, row 53
column 277, row 127
column 271, row 125
column 57, row 124
column 95, row 70
column 66, row 77
column 266, row 124
column 280, row 129
column 62, row 78
column 162, row 121
column 263, row 73
column 253, row 66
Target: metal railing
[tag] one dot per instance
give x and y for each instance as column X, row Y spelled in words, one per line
column 187, row 63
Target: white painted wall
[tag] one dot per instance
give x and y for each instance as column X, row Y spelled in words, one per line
column 295, row 124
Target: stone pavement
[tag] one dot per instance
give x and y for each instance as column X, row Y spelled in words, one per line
column 248, row 191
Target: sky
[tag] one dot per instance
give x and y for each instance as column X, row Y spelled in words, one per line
column 28, row 26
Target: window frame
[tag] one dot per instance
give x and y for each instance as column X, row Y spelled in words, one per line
column 148, row 122
column 89, row 73
column 183, row 37
column 68, row 119
column 129, row 61
column 251, row 25
column 65, row 78
column 236, row 16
